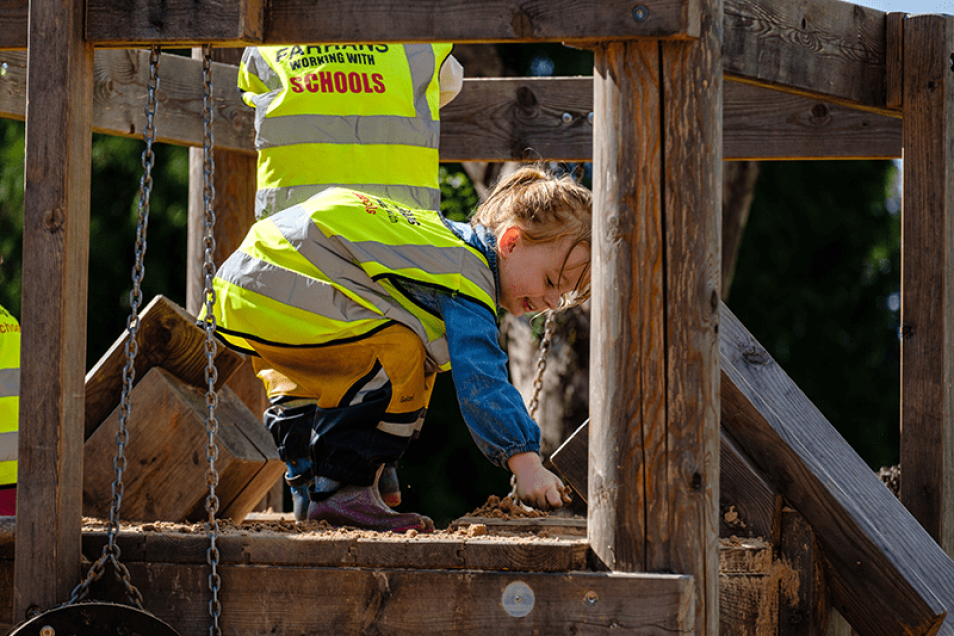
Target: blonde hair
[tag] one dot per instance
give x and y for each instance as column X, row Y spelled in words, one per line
column 546, row 208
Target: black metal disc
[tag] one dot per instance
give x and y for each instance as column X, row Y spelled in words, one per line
column 94, row 619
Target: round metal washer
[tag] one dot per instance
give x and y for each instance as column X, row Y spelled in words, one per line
column 94, row 619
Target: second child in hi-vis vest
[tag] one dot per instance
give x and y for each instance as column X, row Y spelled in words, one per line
column 349, row 304
column 9, row 410
column 359, row 116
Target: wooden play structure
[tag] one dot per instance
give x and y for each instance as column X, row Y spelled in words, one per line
column 679, row 86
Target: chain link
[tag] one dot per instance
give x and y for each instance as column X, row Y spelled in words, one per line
column 541, row 364
column 211, row 373
column 111, row 551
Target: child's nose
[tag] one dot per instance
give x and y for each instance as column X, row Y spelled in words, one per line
column 552, row 299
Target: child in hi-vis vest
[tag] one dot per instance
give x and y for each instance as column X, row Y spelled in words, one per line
column 360, row 116
column 349, row 304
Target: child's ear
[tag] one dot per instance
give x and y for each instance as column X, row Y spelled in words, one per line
column 510, row 239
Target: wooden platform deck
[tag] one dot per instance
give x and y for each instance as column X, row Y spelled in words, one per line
column 279, row 576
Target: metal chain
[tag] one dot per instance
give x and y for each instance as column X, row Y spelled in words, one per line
column 111, row 551
column 211, row 373
column 548, row 330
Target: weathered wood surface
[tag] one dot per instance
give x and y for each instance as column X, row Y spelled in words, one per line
column 167, row 337
column 411, row 602
column 136, row 22
column 167, row 444
column 745, row 565
column 56, row 245
column 748, row 506
column 824, row 47
column 888, row 575
column 14, row 15
column 499, row 119
column 654, row 398
column 927, row 278
column 748, row 591
column 805, row 608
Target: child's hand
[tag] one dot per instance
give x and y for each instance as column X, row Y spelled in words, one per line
column 536, row 485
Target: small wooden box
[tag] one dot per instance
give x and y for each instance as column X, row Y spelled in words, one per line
column 166, row 455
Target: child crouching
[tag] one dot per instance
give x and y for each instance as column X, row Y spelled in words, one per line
column 350, row 304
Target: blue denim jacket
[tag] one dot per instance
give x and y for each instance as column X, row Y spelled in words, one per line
column 492, row 408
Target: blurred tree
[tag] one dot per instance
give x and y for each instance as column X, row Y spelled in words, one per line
column 817, row 282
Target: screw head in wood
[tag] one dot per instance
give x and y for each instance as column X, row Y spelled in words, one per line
column 641, row 13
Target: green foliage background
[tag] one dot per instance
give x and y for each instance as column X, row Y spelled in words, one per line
column 816, row 283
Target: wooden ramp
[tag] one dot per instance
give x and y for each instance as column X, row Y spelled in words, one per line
column 886, row 574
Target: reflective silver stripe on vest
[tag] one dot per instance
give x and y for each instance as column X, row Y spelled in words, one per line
column 316, row 248
column 350, row 129
column 8, row 446
column 276, row 199
column 9, row 382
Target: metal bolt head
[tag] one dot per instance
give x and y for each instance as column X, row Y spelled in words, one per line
column 567, row 118
column 641, row 13
column 591, row 598
column 589, row 119
column 3, row 69
column 46, row 630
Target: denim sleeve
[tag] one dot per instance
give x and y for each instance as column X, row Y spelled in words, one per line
column 492, row 407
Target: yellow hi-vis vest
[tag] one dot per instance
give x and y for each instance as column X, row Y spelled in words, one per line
column 337, row 268
column 9, row 396
column 359, row 116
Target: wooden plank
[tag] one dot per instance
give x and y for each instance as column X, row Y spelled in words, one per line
column 181, row 23
column 131, row 23
column 927, row 278
column 167, row 445
column 498, row 119
column 167, row 337
column 766, row 124
column 748, row 506
column 805, row 603
column 822, row 47
column 356, row 601
column 748, row 591
column 13, row 18
column 894, row 60
column 56, row 238
column 888, row 575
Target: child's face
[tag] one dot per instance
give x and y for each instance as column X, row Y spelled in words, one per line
column 533, row 276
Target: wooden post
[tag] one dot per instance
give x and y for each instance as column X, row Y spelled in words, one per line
column 56, row 250
column 927, row 277
column 654, row 446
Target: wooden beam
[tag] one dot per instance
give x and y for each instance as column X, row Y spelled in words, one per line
column 927, row 277
column 56, row 238
column 140, row 23
column 167, row 337
column 888, row 575
column 293, row 600
column 823, row 47
column 826, row 48
column 14, row 15
column 654, row 401
column 501, row 119
column 181, row 23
